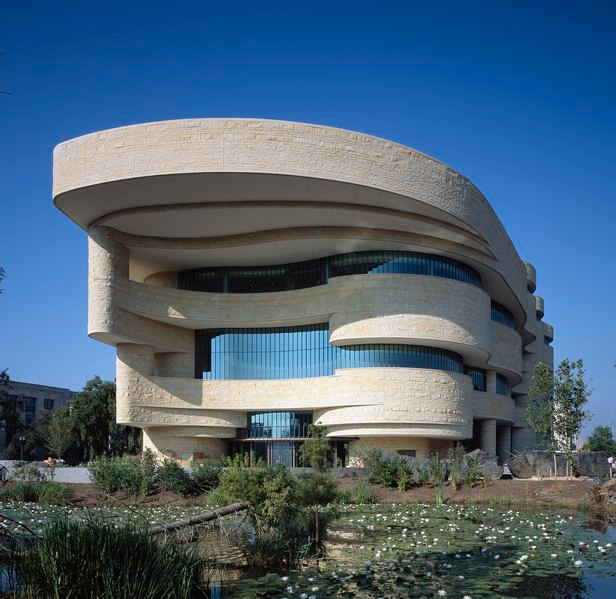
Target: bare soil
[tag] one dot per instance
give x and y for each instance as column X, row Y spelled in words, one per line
column 86, row 495
column 574, row 494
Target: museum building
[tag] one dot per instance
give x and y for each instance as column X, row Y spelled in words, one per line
column 258, row 276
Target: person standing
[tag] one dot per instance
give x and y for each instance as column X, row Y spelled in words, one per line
column 610, row 465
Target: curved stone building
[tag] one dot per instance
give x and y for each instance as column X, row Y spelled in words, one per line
column 257, row 276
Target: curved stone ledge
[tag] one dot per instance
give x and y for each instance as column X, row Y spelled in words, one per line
column 531, row 276
column 539, row 307
column 505, row 349
column 352, row 396
column 412, row 309
column 493, row 405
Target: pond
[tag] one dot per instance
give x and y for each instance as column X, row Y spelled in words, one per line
column 414, row 550
column 424, row 551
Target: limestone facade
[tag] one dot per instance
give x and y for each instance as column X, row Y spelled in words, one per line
column 162, row 198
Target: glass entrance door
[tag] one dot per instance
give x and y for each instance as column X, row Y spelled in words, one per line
column 281, row 453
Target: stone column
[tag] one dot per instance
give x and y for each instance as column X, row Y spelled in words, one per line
column 503, row 442
column 107, row 265
column 488, row 435
column 134, row 368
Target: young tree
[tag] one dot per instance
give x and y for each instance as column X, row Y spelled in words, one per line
column 316, row 450
column 556, row 411
column 58, row 434
column 571, row 394
column 540, row 414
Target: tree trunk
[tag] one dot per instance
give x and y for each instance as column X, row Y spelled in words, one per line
column 555, row 470
column 316, row 520
column 205, row 517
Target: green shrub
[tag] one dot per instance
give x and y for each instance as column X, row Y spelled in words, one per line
column 424, row 474
column 388, row 471
column 50, row 493
column 29, row 473
column 362, row 494
column 53, row 493
column 132, row 475
column 455, row 461
column 103, row 474
column 148, row 472
column 283, row 515
column 473, row 473
column 23, row 491
column 97, row 559
column 205, row 476
column 128, row 475
column 345, row 496
column 172, row 477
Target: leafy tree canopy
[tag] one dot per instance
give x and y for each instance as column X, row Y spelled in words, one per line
column 93, row 417
column 558, row 399
column 316, row 451
column 601, row 439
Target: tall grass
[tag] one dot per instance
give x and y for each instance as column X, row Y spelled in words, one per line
column 51, row 493
column 97, row 559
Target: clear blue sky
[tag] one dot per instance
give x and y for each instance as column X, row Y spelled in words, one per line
column 519, row 96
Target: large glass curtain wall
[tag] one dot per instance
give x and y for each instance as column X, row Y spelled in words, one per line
column 284, row 277
column 302, row 352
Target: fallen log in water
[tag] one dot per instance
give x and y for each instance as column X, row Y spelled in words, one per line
column 206, row 517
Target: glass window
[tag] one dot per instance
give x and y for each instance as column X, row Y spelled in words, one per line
column 48, row 404
column 300, row 275
column 478, row 375
column 302, row 352
column 547, row 340
column 502, row 387
column 502, row 315
column 277, row 425
column 30, row 409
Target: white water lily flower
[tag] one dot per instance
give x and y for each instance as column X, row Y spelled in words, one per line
column 577, row 563
column 442, row 593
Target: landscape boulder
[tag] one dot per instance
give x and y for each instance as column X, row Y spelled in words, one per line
column 488, row 463
column 541, row 464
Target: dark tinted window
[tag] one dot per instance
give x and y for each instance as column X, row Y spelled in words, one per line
column 300, row 275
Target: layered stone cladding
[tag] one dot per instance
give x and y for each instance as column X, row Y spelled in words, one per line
column 152, row 323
